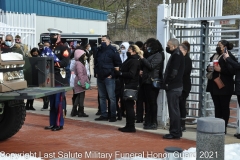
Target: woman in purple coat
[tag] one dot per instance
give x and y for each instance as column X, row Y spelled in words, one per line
column 80, row 82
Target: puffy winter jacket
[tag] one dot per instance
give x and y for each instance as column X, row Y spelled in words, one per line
column 152, row 67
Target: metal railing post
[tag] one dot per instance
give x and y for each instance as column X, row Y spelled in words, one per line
column 203, row 60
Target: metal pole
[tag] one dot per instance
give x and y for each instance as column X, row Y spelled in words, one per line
column 238, row 109
column 203, row 51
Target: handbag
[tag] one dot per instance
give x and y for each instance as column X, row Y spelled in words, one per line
column 130, row 94
column 72, row 79
column 209, row 75
column 157, row 83
column 219, row 82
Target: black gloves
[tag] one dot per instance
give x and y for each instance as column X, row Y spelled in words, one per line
column 118, row 73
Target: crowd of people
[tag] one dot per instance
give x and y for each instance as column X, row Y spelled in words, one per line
column 130, row 75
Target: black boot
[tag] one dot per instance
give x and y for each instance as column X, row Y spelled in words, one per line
column 119, row 116
column 183, row 128
column 81, row 112
column 31, row 104
column 74, row 111
column 27, row 105
column 129, row 128
column 130, row 125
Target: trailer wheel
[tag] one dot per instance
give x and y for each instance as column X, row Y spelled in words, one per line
column 12, row 117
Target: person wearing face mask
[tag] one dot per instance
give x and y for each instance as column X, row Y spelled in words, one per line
column 106, row 60
column 87, row 49
column 61, row 60
column 173, row 85
column 221, row 97
column 10, row 46
column 236, row 65
column 33, row 53
column 79, row 83
column 129, row 74
column 123, row 55
column 152, row 69
column 185, row 48
column 40, row 47
column 124, row 48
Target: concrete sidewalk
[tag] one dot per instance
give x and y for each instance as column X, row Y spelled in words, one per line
column 190, row 134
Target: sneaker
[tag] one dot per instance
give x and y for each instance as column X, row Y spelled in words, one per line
column 112, row 119
column 127, row 129
column 44, row 109
column 98, row 113
column 151, row 127
column 183, row 129
column 236, row 135
column 32, row 108
column 101, row 118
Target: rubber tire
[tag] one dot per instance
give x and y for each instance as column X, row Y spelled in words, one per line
column 13, row 119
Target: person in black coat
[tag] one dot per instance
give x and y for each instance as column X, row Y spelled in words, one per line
column 129, row 74
column 140, row 103
column 106, row 59
column 173, row 84
column 185, row 48
column 221, row 97
column 152, row 69
column 236, row 66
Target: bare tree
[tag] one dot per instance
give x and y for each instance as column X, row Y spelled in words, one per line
column 127, row 14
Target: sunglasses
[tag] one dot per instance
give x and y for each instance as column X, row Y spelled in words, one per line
column 8, row 40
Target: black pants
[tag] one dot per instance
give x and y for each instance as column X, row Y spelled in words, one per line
column 174, row 112
column 74, row 98
column 79, row 101
column 182, row 105
column 45, row 102
column 221, row 104
column 29, row 103
column 130, row 114
column 151, row 95
column 139, row 104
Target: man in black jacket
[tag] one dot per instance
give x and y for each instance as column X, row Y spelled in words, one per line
column 173, row 83
column 106, row 60
column 185, row 48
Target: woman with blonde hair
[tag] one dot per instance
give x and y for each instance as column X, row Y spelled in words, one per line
column 129, row 75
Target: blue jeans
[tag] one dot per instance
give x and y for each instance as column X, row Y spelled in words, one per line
column 106, row 87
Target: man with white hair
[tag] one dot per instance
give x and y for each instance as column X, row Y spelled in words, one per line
column 10, row 46
column 124, row 48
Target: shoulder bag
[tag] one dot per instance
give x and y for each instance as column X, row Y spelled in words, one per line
column 157, row 83
column 219, row 82
column 130, row 94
